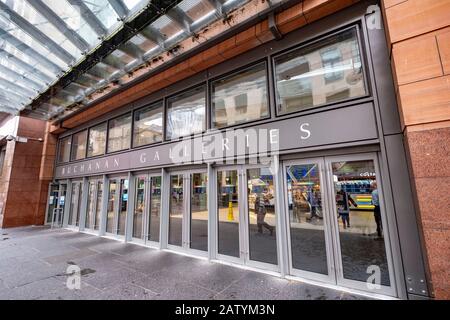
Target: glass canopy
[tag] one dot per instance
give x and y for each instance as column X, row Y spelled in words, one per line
column 42, row 40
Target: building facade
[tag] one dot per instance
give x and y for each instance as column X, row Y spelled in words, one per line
column 293, row 145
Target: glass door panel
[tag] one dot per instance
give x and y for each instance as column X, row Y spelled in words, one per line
column 98, row 206
column 228, row 213
column 90, row 205
column 123, row 202
column 80, row 196
column 176, row 210
column 155, row 208
column 358, row 216
column 262, row 242
column 111, row 206
column 61, row 203
column 306, row 218
column 139, row 204
column 199, row 212
column 74, row 212
column 52, row 202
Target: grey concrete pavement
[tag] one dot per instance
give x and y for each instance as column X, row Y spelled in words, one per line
column 34, row 262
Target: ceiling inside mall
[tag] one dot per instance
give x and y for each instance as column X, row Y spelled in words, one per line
column 56, row 57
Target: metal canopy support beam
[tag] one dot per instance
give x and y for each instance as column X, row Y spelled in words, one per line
column 120, row 8
column 35, row 33
column 59, row 24
column 218, row 5
column 6, row 102
column 90, row 18
column 20, row 78
column 181, row 18
column 14, row 95
column 26, row 49
column 7, row 109
column 154, row 35
column 16, row 88
column 12, row 98
column 25, row 66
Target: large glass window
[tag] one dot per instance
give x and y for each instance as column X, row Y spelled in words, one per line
column 148, row 125
column 79, row 145
column 325, row 72
column 240, row 97
column 64, row 149
column 97, row 140
column 186, row 113
column 119, row 135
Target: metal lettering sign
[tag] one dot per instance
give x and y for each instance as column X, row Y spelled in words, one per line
column 336, row 126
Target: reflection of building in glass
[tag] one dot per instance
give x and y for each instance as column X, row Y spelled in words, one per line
column 326, row 72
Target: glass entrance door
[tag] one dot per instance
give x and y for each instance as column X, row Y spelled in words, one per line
column 246, row 215
column 147, row 209
column 309, row 225
column 94, row 204
column 363, row 258
column 336, row 221
column 188, row 211
column 56, row 203
column 117, row 206
column 75, row 204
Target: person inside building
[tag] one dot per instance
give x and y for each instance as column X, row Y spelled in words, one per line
column 260, row 210
column 343, row 207
column 376, row 210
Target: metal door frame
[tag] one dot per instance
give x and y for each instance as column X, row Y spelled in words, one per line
column 340, row 280
column 94, row 208
column 147, row 206
column 78, row 203
column 115, row 234
column 331, row 277
column 244, row 240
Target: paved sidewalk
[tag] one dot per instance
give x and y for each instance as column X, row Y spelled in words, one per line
column 34, row 260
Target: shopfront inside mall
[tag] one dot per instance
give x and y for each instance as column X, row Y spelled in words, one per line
column 276, row 160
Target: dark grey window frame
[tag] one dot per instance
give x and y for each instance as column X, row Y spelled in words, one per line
column 230, row 74
column 363, row 56
column 152, row 106
column 129, row 113
column 71, row 144
column 106, row 139
column 180, row 93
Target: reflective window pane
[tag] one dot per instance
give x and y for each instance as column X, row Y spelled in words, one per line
column 90, row 206
column 123, row 202
column 241, row 97
column 139, row 208
column 155, row 209
column 306, row 218
column 325, row 72
column 148, row 125
column 176, row 209
column 64, row 149
column 98, row 209
column 228, row 213
column 261, row 216
column 119, row 134
column 111, row 206
column 186, row 113
column 79, row 145
column 359, row 217
column 199, row 212
column 97, row 140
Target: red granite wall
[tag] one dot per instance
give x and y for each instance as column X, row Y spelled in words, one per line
column 23, row 192
column 418, row 32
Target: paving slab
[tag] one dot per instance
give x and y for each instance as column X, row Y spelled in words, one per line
column 34, row 264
